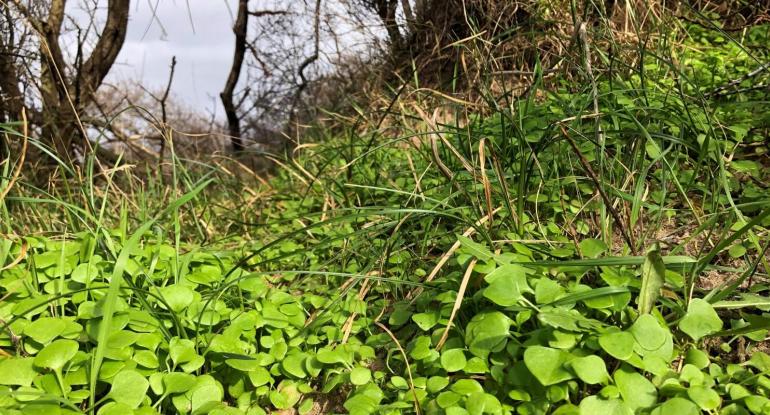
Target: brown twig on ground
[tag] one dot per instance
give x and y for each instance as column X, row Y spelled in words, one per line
column 444, row 258
column 458, row 303
column 408, row 367
column 20, row 162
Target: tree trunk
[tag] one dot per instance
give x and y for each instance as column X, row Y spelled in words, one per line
column 66, row 91
column 386, row 9
column 233, row 121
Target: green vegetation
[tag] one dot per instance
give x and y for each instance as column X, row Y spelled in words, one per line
column 541, row 258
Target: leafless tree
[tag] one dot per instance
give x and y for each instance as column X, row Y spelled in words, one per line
column 38, row 73
column 242, row 43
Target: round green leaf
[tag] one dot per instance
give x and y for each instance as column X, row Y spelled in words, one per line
column 636, row 390
column 507, row 284
column 115, row 408
column 466, row 387
column 705, row 397
column 677, row 406
column 278, row 400
column 697, row 358
column 590, row 369
column 593, row 405
column 45, row 329
column 331, row 356
column 85, row 273
column 207, row 391
column 487, row 332
column 177, row 382
column 294, row 364
column 453, row 360
column 592, row 248
column 619, row 345
column 259, row 376
column 737, row 251
column 651, row 337
column 178, row 297
column 146, row 358
column 547, row 365
column 436, row 383
column 425, row 321
column 447, row 399
column 17, row 371
column 360, row 376
column 57, row 354
column 700, row 320
column 129, row 388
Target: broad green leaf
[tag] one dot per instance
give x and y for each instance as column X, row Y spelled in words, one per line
column 129, row 388
column 487, row 332
column 426, row 321
column 677, row 406
column 146, row 358
column 483, row 403
column 178, row 297
column 18, row 371
column 244, row 365
column 653, row 277
column 447, row 399
column 697, row 358
column 474, row 249
column 705, row 397
column 305, row 406
column 700, row 320
column 421, row 348
column 594, row 405
column 590, row 369
column 205, row 392
column 571, row 320
column 177, row 382
column 568, row 409
column 57, row 354
column 85, row 273
column 636, row 390
column 279, row 400
column 437, row 383
column 466, row 387
column 651, row 338
column 453, row 360
column 332, row 356
column 45, row 329
column 260, row 376
column 116, row 408
column 619, row 345
column 592, row 248
column 294, row 364
column 360, row 376
column 737, row 251
column 547, row 365
column 507, row 284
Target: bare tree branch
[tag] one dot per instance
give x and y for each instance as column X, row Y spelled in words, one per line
column 108, row 46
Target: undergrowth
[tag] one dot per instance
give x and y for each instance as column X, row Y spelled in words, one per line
column 541, row 258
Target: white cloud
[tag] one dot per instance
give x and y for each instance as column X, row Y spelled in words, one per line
column 197, row 32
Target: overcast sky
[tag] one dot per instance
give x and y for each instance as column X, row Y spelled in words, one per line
column 201, row 38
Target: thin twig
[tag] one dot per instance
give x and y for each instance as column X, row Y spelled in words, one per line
column 406, row 360
column 20, row 162
column 592, row 175
column 457, row 304
column 444, row 258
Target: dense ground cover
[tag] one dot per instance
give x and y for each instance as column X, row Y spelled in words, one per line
column 541, row 258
